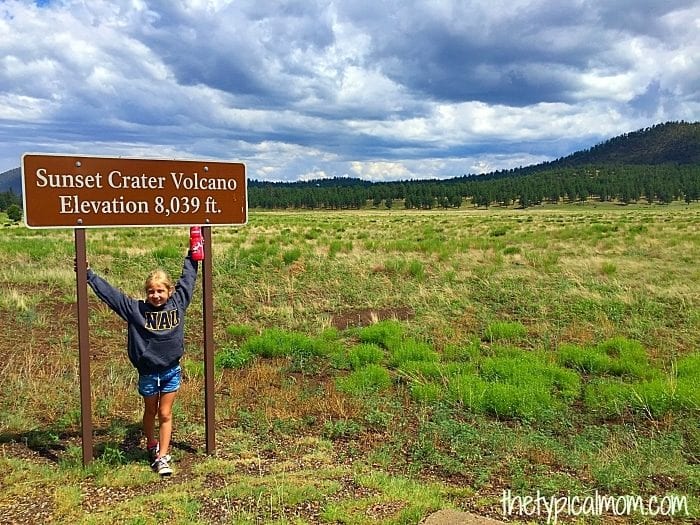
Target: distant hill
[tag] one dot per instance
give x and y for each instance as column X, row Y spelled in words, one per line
column 676, row 143
column 11, row 180
column 669, row 143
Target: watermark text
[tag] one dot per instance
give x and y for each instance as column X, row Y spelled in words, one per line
column 596, row 504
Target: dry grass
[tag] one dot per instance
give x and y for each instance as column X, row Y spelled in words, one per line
column 291, row 447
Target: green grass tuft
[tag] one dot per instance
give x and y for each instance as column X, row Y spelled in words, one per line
column 411, row 350
column 505, row 331
column 617, row 357
column 384, row 333
column 280, row 343
column 365, row 381
column 292, row 255
column 365, row 354
column 232, row 357
column 239, row 331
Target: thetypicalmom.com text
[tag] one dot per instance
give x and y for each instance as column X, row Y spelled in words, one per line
column 552, row 507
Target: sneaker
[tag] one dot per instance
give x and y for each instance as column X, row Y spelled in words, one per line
column 161, row 466
column 153, row 452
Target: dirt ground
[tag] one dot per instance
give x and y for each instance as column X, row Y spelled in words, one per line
column 455, row 517
column 365, row 317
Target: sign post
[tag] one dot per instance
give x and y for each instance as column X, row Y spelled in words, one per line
column 208, row 308
column 74, row 191
column 83, row 344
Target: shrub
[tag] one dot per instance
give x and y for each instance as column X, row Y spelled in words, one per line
column 365, row 381
column 365, row 354
column 14, row 213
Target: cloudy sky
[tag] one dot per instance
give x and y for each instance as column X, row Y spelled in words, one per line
column 304, row 89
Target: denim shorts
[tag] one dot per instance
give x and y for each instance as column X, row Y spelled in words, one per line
column 162, row 382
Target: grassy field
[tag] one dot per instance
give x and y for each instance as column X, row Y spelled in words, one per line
column 371, row 366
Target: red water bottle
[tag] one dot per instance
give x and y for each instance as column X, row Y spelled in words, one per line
column 196, row 244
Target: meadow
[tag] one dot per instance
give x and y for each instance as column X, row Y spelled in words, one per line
column 371, row 366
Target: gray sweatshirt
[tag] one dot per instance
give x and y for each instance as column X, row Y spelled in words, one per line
column 156, row 337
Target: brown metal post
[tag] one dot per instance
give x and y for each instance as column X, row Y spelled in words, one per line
column 83, row 344
column 208, row 309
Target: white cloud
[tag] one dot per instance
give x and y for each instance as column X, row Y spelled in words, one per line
column 15, row 108
column 324, row 88
column 381, row 171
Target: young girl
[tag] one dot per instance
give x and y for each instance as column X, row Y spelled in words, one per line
column 155, row 344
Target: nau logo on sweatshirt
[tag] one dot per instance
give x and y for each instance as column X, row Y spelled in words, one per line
column 162, row 320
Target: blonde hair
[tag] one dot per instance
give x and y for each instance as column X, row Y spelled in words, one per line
column 160, row 277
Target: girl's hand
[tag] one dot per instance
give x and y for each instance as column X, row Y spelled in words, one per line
column 75, row 264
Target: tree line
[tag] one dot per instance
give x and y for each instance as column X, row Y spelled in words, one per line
column 11, row 204
column 625, row 184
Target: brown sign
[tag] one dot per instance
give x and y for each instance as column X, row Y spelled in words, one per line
column 77, row 191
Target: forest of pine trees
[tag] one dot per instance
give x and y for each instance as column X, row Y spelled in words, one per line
column 624, row 184
column 9, row 198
